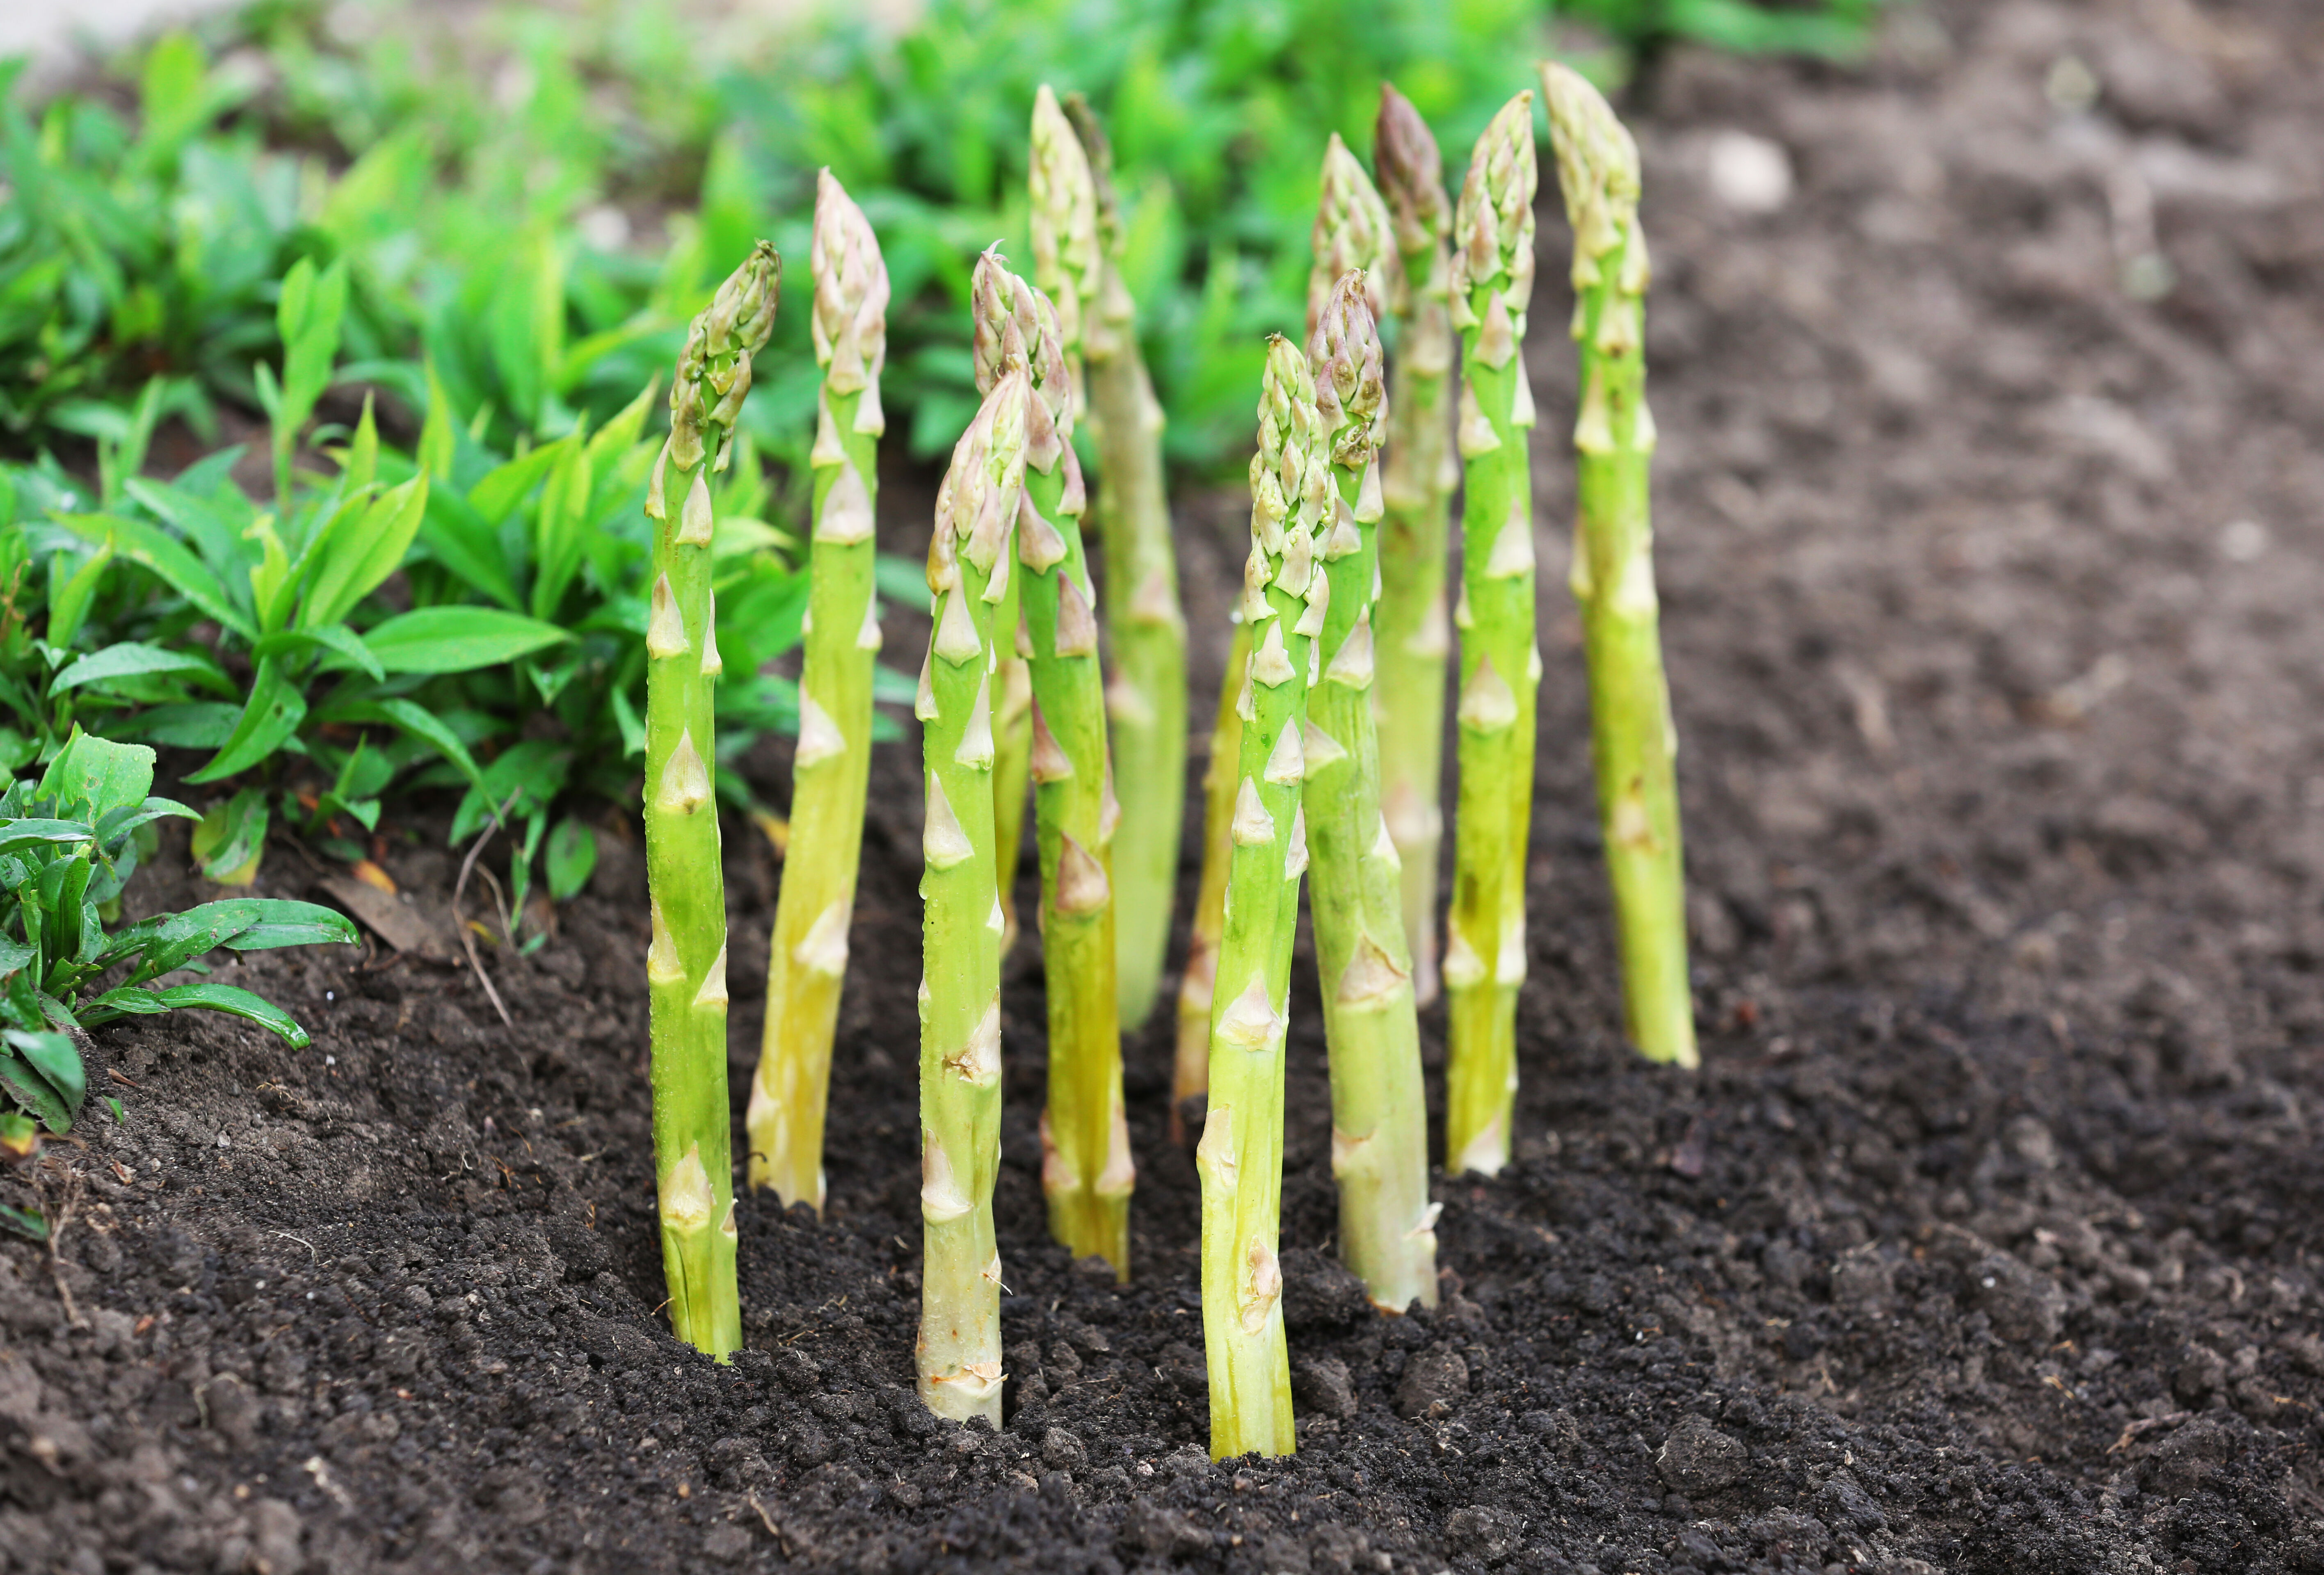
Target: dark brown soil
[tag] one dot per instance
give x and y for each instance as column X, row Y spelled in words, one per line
column 1985, row 1242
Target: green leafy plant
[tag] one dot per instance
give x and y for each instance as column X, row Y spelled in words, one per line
column 67, row 846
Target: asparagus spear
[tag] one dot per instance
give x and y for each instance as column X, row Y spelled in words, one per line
column 1352, row 234
column 1086, row 1170
column 1409, row 623
column 1490, row 282
column 959, row 1354
column 832, row 766
column 1241, row 1156
column 1147, row 696
column 1380, row 1108
column 1190, row 1070
column 1632, row 739
column 685, row 963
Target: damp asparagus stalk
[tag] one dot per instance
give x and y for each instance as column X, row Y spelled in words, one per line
column 1379, row 1107
column 1086, row 1171
column 969, row 563
column 1632, row 740
column 832, row 767
column 685, row 963
column 1410, row 623
column 1190, row 1069
column 1490, row 282
column 1145, row 697
column 1241, row 1156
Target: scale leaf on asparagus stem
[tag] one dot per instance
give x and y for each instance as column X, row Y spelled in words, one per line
column 1491, row 283
column 1633, row 744
column 808, row 956
column 1379, row 1107
column 686, row 961
column 970, row 556
column 1086, row 1171
column 1146, row 692
column 1240, row 1159
column 1419, row 472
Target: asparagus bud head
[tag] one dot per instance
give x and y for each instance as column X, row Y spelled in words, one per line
column 1354, row 231
column 1492, row 224
column 713, row 368
column 1068, row 262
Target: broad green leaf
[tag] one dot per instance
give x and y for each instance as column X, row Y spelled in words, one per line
column 499, row 493
column 130, row 659
column 195, row 724
column 457, row 639
column 334, row 638
column 68, row 603
column 25, row 1223
column 572, row 857
column 95, row 775
column 280, row 922
column 460, row 538
column 307, row 317
column 55, row 1059
column 418, row 722
column 32, row 1090
column 361, row 552
column 154, row 549
column 240, row 1003
column 269, row 716
column 17, row 835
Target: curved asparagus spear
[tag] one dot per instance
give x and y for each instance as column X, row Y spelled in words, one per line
column 1501, row 667
column 969, row 563
column 1613, row 574
column 1417, row 488
column 685, row 963
column 830, row 772
column 1086, row 1172
column 1190, row 1069
column 1147, row 696
column 1379, row 1107
column 1241, row 1156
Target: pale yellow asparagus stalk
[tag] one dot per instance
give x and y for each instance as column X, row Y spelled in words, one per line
column 1086, row 1172
column 1633, row 742
column 1500, row 667
column 1190, row 1069
column 1380, row 1108
column 969, row 559
column 1146, row 694
column 685, row 963
column 1420, row 473
column 1241, row 1156
column 832, row 767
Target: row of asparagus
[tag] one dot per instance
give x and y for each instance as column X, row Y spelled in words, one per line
column 1324, row 756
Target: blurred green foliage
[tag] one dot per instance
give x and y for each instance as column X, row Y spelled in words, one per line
column 530, row 198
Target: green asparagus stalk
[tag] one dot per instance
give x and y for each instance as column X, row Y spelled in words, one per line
column 1012, row 764
column 1190, row 1070
column 1241, row 1156
column 832, row 768
column 685, row 963
column 1417, row 486
column 1086, row 1172
column 1613, row 574
column 968, row 564
column 1379, row 1107
column 1146, row 694
column 1490, row 282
